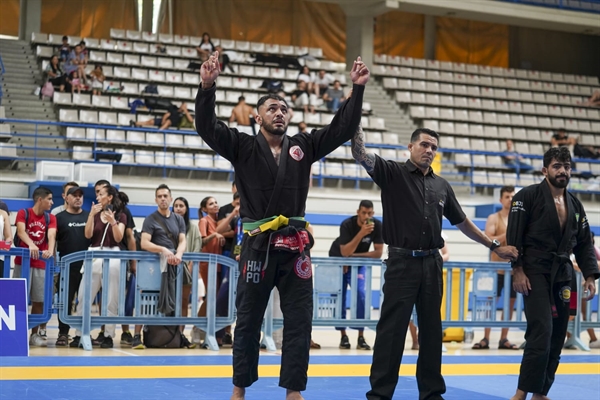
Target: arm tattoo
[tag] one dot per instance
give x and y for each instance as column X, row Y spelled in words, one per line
column 359, row 152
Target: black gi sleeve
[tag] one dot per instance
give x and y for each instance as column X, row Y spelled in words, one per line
column 518, row 219
column 584, row 250
column 216, row 134
column 452, row 209
column 342, row 128
column 377, row 232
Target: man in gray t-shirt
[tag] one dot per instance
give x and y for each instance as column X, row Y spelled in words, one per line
column 334, row 96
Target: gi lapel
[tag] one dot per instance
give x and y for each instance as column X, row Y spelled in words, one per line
column 278, row 172
column 557, row 233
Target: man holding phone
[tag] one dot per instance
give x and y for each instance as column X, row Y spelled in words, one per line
column 356, row 235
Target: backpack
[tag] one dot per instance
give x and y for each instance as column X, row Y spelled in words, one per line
column 17, row 240
column 163, row 336
column 47, row 90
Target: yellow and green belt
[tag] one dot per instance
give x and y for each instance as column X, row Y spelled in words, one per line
column 273, row 223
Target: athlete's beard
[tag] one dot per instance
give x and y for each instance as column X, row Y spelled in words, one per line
column 559, row 184
column 273, row 130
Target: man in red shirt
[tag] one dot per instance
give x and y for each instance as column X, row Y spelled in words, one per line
column 36, row 229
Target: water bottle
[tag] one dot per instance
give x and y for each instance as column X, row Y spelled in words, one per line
column 469, row 334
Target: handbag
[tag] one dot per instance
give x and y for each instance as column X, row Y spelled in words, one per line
column 162, row 336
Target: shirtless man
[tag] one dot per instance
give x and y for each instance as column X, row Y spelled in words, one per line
column 243, row 113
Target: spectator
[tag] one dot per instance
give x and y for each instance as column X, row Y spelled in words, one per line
column 512, row 159
column 76, row 62
column 76, row 82
column 302, row 128
column 98, row 78
column 63, row 206
column 105, row 227
column 495, row 228
column 65, row 49
column 305, row 76
column 322, row 82
column 561, row 138
column 226, row 215
column 594, row 100
column 5, row 236
column 164, row 233
column 334, row 96
column 224, row 61
column 36, row 230
column 172, row 118
column 301, row 98
column 55, row 75
column 357, row 233
column 243, row 114
column 212, row 242
column 70, row 238
column 84, row 50
column 206, row 47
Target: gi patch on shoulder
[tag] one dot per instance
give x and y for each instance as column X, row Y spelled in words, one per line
column 565, row 294
column 296, row 153
column 303, row 268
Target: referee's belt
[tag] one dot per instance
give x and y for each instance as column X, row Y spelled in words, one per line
column 274, row 223
column 411, row 253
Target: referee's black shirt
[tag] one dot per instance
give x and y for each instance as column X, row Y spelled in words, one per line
column 413, row 205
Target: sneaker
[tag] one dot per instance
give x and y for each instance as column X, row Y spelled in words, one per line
column 126, row 338
column 344, row 343
column 36, row 340
column 595, row 344
column 99, row 340
column 362, row 344
column 186, row 342
column 75, row 342
column 136, row 343
column 42, row 333
column 107, row 343
column 227, row 340
column 197, row 336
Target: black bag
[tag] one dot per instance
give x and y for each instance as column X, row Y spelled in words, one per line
column 150, row 89
column 156, row 103
column 163, row 336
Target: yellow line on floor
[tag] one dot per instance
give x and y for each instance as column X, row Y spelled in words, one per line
column 222, row 371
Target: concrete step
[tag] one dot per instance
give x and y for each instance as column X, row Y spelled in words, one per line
column 33, row 103
column 25, row 128
column 15, row 99
column 16, row 58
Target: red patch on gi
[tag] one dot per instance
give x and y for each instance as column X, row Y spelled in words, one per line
column 303, row 268
column 296, row 153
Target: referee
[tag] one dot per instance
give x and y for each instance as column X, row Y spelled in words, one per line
column 414, row 200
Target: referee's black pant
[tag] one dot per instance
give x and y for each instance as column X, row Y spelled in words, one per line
column 409, row 281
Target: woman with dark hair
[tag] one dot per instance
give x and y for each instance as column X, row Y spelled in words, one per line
column 105, row 228
column 55, row 75
column 206, row 47
column 194, row 245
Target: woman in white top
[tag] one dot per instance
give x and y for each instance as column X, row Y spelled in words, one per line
column 5, row 236
column 206, row 47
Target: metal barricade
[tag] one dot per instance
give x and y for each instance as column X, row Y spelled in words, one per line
column 33, row 320
column 583, row 321
column 148, row 274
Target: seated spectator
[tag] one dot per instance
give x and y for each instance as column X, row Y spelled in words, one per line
column 243, row 114
column 224, row 61
column 76, row 82
column 98, row 78
column 334, row 96
column 561, row 138
column 512, row 159
column 304, row 76
column 206, row 47
column 65, row 49
column 594, row 100
column 302, row 128
column 55, row 75
column 172, row 118
column 76, row 62
column 301, row 98
column 322, row 82
column 84, row 50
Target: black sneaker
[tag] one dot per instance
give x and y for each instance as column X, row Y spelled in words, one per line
column 227, row 340
column 108, row 343
column 126, row 338
column 137, row 344
column 344, row 343
column 99, row 340
column 186, row 343
column 75, row 342
column 362, row 344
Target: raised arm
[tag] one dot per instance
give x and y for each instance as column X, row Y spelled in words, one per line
column 359, row 151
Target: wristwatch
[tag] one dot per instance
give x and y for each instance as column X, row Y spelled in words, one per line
column 494, row 245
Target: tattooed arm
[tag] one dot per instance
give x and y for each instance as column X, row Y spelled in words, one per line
column 359, row 152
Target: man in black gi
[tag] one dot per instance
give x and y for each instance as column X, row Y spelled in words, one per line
column 414, row 200
column 272, row 176
column 546, row 224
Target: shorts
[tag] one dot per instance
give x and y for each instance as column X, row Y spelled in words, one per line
column 500, row 286
column 37, row 279
column 158, row 122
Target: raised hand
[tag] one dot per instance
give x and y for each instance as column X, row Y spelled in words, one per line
column 359, row 72
column 96, row 208
column 210, row 70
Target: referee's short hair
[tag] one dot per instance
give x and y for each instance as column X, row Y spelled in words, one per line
column 415, row 135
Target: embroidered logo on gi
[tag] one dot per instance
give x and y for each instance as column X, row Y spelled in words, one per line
column 576, row 217
column 441, row 203
column 254, row 271
column 565, row 294
column 303, row 268
column 296, row 153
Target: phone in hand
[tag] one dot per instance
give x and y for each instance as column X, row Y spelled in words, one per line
column 369, row 221
column 108, row 207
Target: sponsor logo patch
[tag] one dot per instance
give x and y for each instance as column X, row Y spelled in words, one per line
column 565, row 294
column 303, row 268
column 296, row 153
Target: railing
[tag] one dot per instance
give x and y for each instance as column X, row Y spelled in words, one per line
column 33, row 320
column 581, row 5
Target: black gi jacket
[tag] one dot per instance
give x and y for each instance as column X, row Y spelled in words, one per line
column 256, row 172
column 534, row 229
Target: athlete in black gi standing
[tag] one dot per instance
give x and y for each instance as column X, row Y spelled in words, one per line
column 272, row 173
column 546, row 224
column 414, row 200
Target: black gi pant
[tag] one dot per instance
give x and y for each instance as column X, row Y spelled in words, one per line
column 545, row 335
column 293, row 278
column 409, row 281
column 75, row 277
